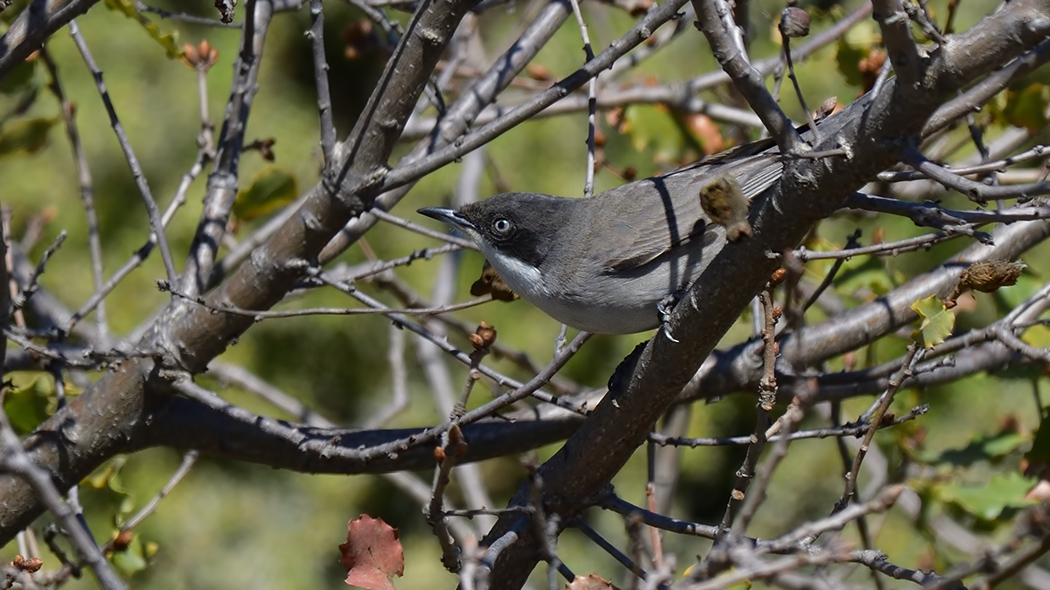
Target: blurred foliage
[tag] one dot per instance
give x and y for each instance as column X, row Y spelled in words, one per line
column 272, row 188
column 233, row 525
column 169, row 41
column 29, row 402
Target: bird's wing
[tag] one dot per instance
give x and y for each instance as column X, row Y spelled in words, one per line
column 640, row 236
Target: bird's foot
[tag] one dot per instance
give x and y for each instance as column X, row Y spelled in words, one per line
column 664, row 309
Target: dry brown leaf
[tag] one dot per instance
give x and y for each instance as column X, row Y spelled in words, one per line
column 372, row 554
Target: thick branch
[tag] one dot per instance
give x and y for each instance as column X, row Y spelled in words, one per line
column 740, row 367
column 876, row 129
column 184, row 424
column 102, row 421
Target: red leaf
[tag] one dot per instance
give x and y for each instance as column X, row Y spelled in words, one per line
column 372, row 554
column 589, row 582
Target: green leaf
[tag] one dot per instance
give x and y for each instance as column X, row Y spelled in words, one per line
column 135, row 558
column 864, row 274
column 654, row 127
column 128, row 562
column 11, row 12
column 983, row 448
column 847, row 58
column 108, row 476
column 21, row 79
column 27, row 406
column 272, row 188
column 27, row 134
column 853, row 47
column 169, row 41
column 1026, row 108
column 937, row 321
column 1040, row 451
column 988, row 501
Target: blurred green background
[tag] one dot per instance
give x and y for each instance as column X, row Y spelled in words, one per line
column 236, row 525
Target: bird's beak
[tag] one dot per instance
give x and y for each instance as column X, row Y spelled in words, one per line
column 449, row 216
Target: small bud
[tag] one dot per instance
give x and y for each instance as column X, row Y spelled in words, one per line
column 794, row 22
column 600, row 138
column 538, row 72
column 123, row 540
column 778, row 276
column 724, row 202
column 359, row 39
column 987, row 276
column 630, row 173
column 201, row 57
column 439, row 454
column 483, row 337
column 27, row 564
column 190, row 55
column 208, row 55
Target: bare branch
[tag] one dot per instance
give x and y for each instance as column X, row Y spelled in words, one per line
column 37, row 21
column 714, row 20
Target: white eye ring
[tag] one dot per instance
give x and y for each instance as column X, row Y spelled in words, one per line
column 501, row 226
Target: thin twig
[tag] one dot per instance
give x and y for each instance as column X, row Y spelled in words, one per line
column 852, row 430
column 454, row 447
column 884, row 249
column 592, row 100
column 324, row 96
column 915, row 354
column 32, row 285
column 189, row 458
column 14, row 460
column 87, row 194
column 398, row 379
column 265, row 315
column 767, row 389
column 186, row 18
column 129, row 154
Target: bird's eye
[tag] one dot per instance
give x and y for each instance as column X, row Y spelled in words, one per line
column 501, row 226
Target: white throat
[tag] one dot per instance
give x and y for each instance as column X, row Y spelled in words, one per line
column 523, row 279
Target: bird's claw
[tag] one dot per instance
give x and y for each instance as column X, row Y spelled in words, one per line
column 664, row 309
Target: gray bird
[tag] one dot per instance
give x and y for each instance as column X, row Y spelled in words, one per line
column 606, row 264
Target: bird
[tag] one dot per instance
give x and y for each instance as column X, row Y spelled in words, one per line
column 611, row 263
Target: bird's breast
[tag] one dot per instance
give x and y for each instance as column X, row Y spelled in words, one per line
column 580, row 295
